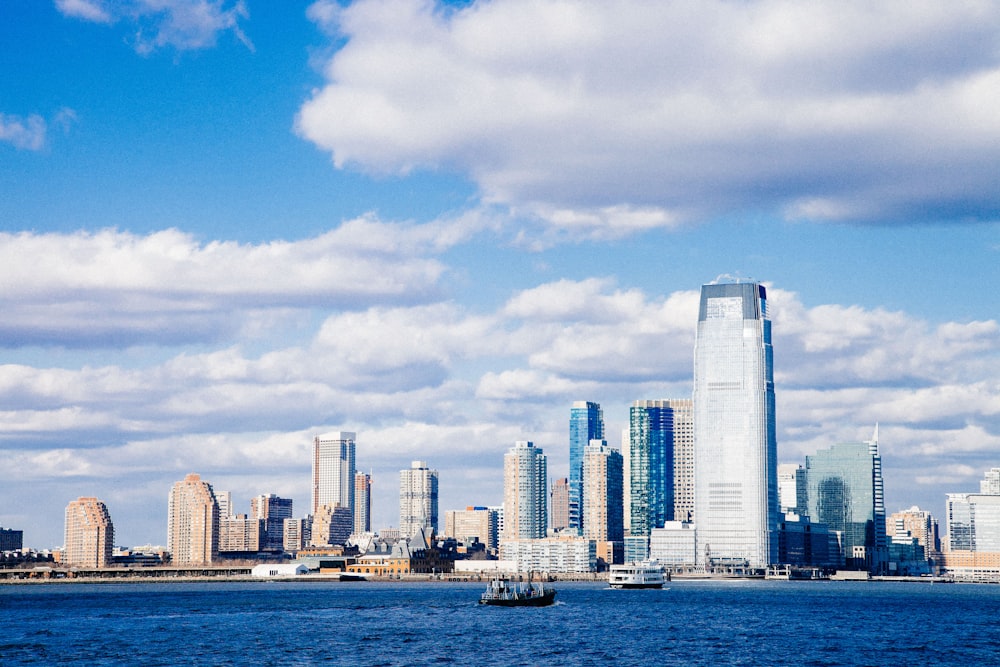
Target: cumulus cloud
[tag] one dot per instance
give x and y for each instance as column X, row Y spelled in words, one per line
column 116, row 288
column 180, row 24
column 437, row 381
column 23, row 133
column 603, row 118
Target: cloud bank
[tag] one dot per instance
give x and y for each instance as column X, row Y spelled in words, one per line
column 611, row 117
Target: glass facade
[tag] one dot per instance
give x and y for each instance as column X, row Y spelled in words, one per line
column 651, row 465
column 586, row 423
column 333, row 470
column 973, row 522
column 736, row 487
column 525, row 506
column 844, row 486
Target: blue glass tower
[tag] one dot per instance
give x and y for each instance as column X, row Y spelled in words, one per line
column 586, row 423
column 651, row 471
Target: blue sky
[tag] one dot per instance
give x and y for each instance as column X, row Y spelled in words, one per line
column 228, row 227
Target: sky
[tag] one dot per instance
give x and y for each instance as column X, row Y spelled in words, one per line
column 229, row 227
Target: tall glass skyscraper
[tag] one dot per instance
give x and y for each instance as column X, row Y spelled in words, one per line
column 333, row 470
column 651, row 465
column 736, row 453
column 845, row 492
column 586, row 423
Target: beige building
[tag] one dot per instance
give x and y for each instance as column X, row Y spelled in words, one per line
column 239, row 533
column 90, row 535
column 418, row 500
column 193, row 522
column 559, row 504
column 333, row 470
column 683, row 458
column 525, row 492
column 918, row 524
column 362, row 502
column 472, row 524
column 332, row 524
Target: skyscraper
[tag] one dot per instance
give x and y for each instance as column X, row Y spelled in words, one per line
column 603, row 519
column 651, row 465
column 845, row 492
column 792, row 493
column 559, row 504
column 586, row 423
column 736, row 458
column 333, row 470
column 273, row 510
column 418, row 500
column 362, row 502
column 90, row 535
column 193, row 522
column 683, row 455
column 525, row 473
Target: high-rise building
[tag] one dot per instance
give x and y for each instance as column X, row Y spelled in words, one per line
column 683, row 448
column 273, row 510
column 239, row 533
column 225, row 501
column 559, row 504
column 297, row 534
column 418, row 500
column 472, row 524
column 603, row 519
column 792, row 493
column 736, row 454
column 918, row 524
column 586, row 423
column 11, row 540
column 525, row 474
column 331, row 525
column 651, row 465
column 990, row 484
column 90, row 535
column 845, row 492
column 362, row 502
column 193, row 522
column 333, row 470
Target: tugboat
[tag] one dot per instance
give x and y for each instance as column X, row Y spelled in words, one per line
column 501, row 592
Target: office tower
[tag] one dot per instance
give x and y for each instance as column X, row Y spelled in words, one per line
column 525, row 473
column 362, row 502
column 651, row 465
column 11, row 540
column 193, row 522
column 683, row 452
column 792, row 492
column 559, row 504
column 626, row 447
column 333, row 470
column 736, row 454
column 473, row 524
column 845, row 492
column 90, row 535
column 603, row 520
column 418, row 500
column 973, row 519
column 586, row 423
column 332, row 524
column 273, row 511
column 225, row 501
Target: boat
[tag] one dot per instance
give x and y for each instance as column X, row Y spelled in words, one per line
column 501, row 592
column 642, row 574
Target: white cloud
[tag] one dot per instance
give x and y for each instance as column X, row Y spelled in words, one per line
column 23, row 133
column 116, row 288
column 604, row 118
column 88, row 10
column 180, row 24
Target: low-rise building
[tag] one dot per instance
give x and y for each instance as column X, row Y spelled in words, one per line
column 561, row 555
column 674, row 544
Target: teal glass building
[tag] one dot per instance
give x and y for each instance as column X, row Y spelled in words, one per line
column 586, row 423
column 651, row 465
column 845, row 492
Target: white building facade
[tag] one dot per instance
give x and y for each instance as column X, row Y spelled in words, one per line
column 736, row 489
column 418, row 500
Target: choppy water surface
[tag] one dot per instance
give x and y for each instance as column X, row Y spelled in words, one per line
column 367, row 624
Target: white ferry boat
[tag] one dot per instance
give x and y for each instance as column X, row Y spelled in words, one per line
column 644, row 574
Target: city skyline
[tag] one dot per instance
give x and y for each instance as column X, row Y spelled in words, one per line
column 224, row 232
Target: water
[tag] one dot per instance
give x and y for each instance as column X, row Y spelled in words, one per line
column 370, row 624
